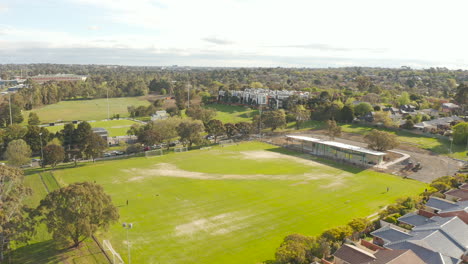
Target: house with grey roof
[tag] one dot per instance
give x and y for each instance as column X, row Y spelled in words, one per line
column 357, row 254
column 439, row 122
column 446, row 208
column 437, row 240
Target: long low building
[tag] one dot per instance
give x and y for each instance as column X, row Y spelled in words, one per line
column 336, row 150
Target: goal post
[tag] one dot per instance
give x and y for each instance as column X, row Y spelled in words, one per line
column 115, row 257
column 153, row 153
column 180, row 149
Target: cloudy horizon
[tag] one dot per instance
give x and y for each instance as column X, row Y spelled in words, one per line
column 235, row 33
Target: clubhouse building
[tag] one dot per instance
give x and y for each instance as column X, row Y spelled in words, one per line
column 336, row 150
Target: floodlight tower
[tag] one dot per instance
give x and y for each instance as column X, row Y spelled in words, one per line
column 128, row 226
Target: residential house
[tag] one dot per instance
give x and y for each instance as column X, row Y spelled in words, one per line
column 446, row 208
column 442, row 122
column 264, row 97
column 159, row 115
column 457, row 195
column 101, row 132
column 436, row 240
column 450, row 108
column 405, row 109
column 359, row 254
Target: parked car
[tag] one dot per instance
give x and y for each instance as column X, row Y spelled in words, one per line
column 119, row 153
column 26, row 165
column 105, row 155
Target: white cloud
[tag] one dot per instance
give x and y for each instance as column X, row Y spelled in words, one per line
column 348, row 31
column 94, row 28
column 4, row 8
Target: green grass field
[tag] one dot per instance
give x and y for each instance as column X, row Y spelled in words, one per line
column 233, row 204
column 233, row 113
column 95, row 109
column 114, row 127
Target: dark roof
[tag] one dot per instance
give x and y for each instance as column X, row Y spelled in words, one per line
column 353, row 254
column 462, row 194
column 441, row 240
column 390, row 234
column 403, row 256
column 356, row 255
column 447, row 206
column 414, row 219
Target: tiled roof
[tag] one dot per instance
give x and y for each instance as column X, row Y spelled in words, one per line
column 390, row 234
column 353, row 254
column 414, row 219
column 441, row 240
column 462, row 194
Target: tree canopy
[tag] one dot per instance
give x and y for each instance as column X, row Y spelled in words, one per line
column 76, row 212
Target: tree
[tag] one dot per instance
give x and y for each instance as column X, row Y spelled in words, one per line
column 14, row 226
column 347, row 113
column 33, row 138
column 33, row 119
column 461, row 95
column 17, row 117
column 295, row 249
column 67, row 134
column 18, row 153
column 53, row 154
column 244, row 128
column 77, row 211
column 381, row 140
column 190, row 131
column 200, row 113
column 333, row 130
column 82, row 134
column 215, row 128
column 404, row 99
column 337, row 234
column 95, row 145
column 167, row 129
column 359, row 225
column 231, row 129
column 362, row 109
column 300, row 114
column 274, row 119
column 460, row 133
column 384, row 118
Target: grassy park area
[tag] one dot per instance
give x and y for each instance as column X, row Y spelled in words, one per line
column 95, row 109
column 233, row 113
column 114, row 127
column 231, row 204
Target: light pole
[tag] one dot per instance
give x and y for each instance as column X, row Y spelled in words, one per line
column 108, row 112
column 42, row 152
column 9, row 103
column 128, row 226
column 451, row 143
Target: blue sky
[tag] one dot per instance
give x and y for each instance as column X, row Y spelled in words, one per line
column 244, row 33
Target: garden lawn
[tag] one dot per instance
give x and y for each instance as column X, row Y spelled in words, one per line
column 233, row 113
column 95, row 109
column 231, row 204
column 114, row 127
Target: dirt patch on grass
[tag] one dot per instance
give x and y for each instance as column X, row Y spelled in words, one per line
column 170, row 170
column 217, row 225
